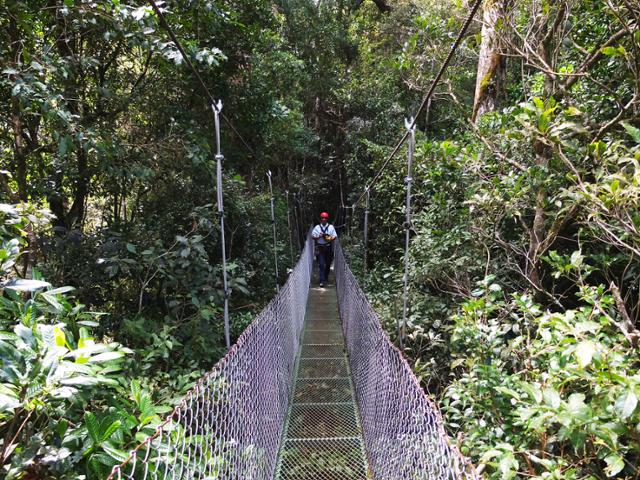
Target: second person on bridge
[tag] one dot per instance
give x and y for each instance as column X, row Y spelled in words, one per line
column 324, row 234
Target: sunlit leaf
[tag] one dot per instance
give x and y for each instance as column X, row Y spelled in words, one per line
column 615, row 464
column 626, row 404
column 25, row 285
column 584, row 353
column 632, row 131
column 105, row 357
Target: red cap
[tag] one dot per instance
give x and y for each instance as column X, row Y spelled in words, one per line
column 324, row 215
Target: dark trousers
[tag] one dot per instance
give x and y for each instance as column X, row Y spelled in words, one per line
column 324, row 257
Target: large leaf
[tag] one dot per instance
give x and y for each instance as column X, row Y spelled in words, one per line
column 8, row 403
column 81, row 380
column 8, row 336
column 91, row 348
column 551, row 397
column 114, row 452
column 101, row 459
column 110, row 430
column 632, row 131
column 24, row 285
column 626, row 404
column 136, row 391
column 60, row 290
column 64, row 393
column 60, row 337
column 584, row 353
column 93, row 427
column 88, row 323
column 25, row 334
column 53, row 301
column 615, row 464
column 106, row 357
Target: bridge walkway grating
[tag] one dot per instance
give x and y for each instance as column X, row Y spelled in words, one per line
column 323, row 436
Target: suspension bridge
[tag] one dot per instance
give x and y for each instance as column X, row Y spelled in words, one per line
column 312, row 390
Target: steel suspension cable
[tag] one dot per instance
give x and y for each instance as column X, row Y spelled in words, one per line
column 187, row 60
column 425, row 100
column 216, row 107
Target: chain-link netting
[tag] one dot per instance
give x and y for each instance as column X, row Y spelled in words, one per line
column 403, row 432
column 229, row 426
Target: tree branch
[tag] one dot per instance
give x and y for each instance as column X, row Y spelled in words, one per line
column 627, row 326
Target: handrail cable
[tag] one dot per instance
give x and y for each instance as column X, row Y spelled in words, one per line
column 212, row 101
column 434, row 84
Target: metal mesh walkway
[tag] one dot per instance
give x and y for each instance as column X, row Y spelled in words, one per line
column 323, row 439
column 287, row 401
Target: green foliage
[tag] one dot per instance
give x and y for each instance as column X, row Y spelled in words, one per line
column 524, row 251
column 104, row 124
column 525, row 238
column 539, row 391
column 51, row 366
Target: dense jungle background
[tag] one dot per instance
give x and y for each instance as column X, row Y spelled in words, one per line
column 525, row 250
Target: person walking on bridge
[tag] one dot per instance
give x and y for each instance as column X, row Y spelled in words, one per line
column 324, row 234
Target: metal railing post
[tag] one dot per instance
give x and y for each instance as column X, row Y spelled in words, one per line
column 217, row 108
column 289, row 228
column 366, row 229
column 407, row 230
column 275, row 235
column 296, row 219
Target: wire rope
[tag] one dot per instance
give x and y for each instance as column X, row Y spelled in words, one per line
column 425, row 100
column 194, row 70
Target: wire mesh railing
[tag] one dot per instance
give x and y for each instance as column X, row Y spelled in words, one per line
column 229, row 426
column 403, row 431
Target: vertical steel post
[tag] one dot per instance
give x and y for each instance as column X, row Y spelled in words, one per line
column 407, row 229
column 366, row 229
column 217, row 108
column 275, row 235
column 347, row 221
column 296, row 216
column 304, row 212
column 289, row 228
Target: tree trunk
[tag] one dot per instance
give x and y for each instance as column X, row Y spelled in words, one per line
column 21, row 148
column 70, row 47
column 19, row 144
column 538, row 230
column 491, row 76
column 382, row 5
column 542, row 151
column 75, row 217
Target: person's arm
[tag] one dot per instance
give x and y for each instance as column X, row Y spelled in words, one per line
column 315, row 234
column 332, row 232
